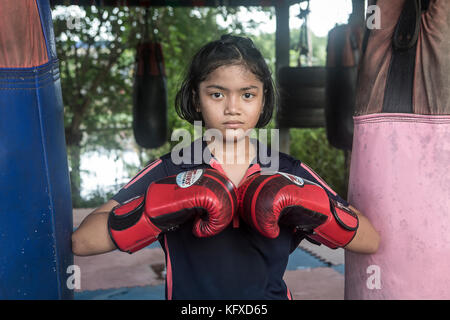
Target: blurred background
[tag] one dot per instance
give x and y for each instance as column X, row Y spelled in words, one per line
column 97, row 48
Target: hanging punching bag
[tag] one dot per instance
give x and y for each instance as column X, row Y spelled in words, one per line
column 343, row 52
column 35, row 204
column 302, row 88
column 150, row 96
column 399, row 173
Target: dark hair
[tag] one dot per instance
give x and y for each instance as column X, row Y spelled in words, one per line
column 229, row 50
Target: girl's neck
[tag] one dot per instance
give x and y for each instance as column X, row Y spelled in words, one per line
column 233, row 153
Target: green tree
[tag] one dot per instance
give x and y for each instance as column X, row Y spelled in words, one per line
column 94, row 79
column 96, row 62
column 311, row 145
column 96, row 65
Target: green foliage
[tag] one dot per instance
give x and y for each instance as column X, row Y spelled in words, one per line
column 312, row 148
column 265, row 43
column 97, row 58
column 97, row 66
column 96, row 198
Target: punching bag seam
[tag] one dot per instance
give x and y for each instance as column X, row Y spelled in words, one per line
column 39, row 106
column 49, row 186
column 401, row 117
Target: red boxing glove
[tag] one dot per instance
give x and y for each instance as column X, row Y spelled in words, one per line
column 205, row 195
column 270, row 200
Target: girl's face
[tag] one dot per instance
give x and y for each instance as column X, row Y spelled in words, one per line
column 231, row 101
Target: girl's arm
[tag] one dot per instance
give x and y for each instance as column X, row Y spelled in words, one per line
column 92, row 236
column 367, row 239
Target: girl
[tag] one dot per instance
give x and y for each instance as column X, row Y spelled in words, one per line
column 229, row 88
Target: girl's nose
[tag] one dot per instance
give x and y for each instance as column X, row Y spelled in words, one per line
column 232, row 106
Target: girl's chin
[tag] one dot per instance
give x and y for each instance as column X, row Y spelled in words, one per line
column 229, row 135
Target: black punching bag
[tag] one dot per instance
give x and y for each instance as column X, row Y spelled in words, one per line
column 150, row 96
column 302, row 88
column 343, row 51
column 302, row 97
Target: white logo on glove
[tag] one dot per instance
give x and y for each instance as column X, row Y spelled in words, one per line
column 188, row 178
column 297, row 180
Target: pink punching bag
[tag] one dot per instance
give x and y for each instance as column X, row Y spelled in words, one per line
column 399, row 174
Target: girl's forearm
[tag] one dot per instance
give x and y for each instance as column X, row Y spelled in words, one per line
column 367, row 239
column 92, row 236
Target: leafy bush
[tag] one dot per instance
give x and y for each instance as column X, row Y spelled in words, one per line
column 312, row 148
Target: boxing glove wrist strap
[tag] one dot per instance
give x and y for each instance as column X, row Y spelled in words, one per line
column 129, row 228
column 339, row 229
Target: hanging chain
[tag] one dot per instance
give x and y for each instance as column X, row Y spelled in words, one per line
column 303, row 47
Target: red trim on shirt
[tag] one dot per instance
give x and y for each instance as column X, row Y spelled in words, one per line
column 216, row 165
column 143, row 172
column 289, row 295
column 168, row 271
column 318, row 178
column 254, row 168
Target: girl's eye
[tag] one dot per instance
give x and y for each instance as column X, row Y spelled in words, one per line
column 248, row 95
column 216, row 95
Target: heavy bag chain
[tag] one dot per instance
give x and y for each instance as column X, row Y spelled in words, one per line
column 303, row 46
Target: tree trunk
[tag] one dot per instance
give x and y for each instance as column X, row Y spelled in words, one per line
column 75, row 177
column 73, row 142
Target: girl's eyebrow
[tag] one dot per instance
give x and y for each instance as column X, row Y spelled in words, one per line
column 214, row 86
column 249, row 88
column 225, row 89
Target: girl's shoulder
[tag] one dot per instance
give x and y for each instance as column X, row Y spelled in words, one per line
column 294, row 166
column 286, row 162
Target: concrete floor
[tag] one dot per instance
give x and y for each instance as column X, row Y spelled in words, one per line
column 313, row 273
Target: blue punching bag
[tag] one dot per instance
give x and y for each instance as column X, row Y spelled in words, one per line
column 35, row 202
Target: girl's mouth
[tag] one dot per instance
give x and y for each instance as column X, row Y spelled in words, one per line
column 233, row 124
